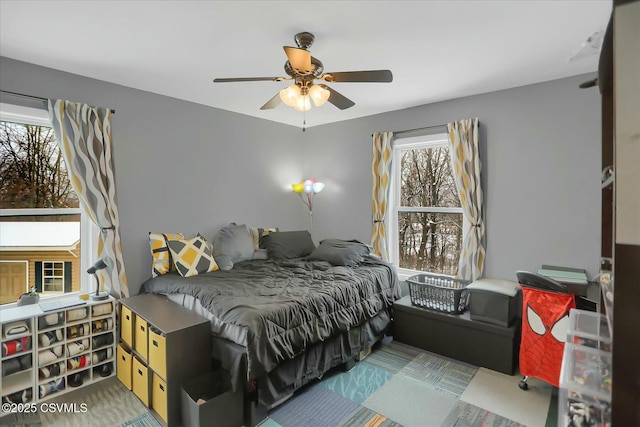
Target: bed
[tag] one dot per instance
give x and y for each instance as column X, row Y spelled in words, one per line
column 277, row 323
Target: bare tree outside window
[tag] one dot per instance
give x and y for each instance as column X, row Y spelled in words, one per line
column 430, row 236
column 33, row 173
column 40, row 216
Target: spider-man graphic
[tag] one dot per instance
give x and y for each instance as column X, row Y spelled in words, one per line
column 545, row 317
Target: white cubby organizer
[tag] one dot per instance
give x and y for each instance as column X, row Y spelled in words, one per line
column 54, row 352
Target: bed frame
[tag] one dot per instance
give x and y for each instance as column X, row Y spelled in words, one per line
column 263, row 394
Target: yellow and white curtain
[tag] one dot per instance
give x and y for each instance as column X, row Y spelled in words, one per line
column 381, row 169
column 84, row 135
column 465, row 159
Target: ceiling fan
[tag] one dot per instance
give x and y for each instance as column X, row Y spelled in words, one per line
column 304, row 70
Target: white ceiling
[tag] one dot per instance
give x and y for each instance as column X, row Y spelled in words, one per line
column 437, row 50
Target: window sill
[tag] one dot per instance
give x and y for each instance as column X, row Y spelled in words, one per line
column 44, row 297
column 404, row 274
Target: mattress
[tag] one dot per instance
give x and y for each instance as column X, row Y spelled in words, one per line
column 278, row 308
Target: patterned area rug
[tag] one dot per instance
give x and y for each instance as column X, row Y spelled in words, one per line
column 443, row 375
column 144, row 420
column 108, row 403
column 467, row 415
column 396, row 386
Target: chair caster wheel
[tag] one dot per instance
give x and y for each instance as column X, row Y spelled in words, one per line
column 523, row 385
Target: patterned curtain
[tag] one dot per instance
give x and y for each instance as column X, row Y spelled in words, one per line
column 463, row 146
column 382, row 157
column 84, row 135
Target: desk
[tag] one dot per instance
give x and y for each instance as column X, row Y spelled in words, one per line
column 591, row 301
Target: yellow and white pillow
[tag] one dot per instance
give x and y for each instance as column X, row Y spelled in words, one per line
column 258, row 234
column 192, row 256
column 161, row 257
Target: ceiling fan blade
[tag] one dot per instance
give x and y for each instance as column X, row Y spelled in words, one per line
column 339, row 100
column 374, row 76
column 300, row 59
column 249, row 79
column 272, row 103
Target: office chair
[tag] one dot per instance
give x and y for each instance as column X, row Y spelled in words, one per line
column 545, row 319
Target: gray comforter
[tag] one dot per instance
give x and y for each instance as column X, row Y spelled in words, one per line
column 284, row 306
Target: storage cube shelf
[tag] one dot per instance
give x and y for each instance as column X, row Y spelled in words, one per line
column 43, row 360
column 17, row 360
column 161, row 345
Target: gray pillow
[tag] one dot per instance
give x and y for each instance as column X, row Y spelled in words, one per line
column 340, row 252
column 232, row 244
column 289, row 244
column 260, row 254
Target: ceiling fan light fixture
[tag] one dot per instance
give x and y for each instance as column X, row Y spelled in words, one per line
column 319, row 95
column 290, row 95
column 304, row 70
column 303, row 103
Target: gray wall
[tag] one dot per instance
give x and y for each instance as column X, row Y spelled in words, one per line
column 540, row 147
column 186, row 167
column 179, row 166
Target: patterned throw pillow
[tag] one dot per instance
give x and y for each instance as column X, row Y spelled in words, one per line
column 161, row 257
column 192, row 256
column 258, row 235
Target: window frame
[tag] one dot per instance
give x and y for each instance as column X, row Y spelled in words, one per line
column 88, row 230
column 391, row 221
column 53, row 268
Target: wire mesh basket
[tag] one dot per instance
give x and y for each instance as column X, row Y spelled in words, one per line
column 439, row 293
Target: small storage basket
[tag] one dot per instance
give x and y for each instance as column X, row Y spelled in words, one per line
column 439, row 293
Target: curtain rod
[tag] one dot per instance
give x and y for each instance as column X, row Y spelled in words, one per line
column 400, row 132
column 37, row 98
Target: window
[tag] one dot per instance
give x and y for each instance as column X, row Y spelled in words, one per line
column 41, row 224
column 53, row 276
column 426, row 224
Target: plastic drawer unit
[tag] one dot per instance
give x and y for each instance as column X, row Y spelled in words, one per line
column 588, row 329
column 585, row 387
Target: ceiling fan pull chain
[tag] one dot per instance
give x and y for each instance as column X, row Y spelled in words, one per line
column 304, row 121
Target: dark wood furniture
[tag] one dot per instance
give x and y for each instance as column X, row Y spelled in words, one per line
column 457, row 336
column 619, row 86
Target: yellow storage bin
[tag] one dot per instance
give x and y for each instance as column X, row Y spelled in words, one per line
column 158, row 352
column 126, row 326
column 159, row 397
column 140, row 375
column 124, row 366
column 140, row 337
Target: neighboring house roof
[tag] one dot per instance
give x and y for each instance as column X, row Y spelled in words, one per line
column 43, row 236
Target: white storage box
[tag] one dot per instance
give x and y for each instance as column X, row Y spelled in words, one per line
column 494, row 301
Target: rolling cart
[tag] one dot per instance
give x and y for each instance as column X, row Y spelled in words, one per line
column 545, row 319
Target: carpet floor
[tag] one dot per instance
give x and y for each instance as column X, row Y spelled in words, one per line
column 399, row 385
column 396, row 385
